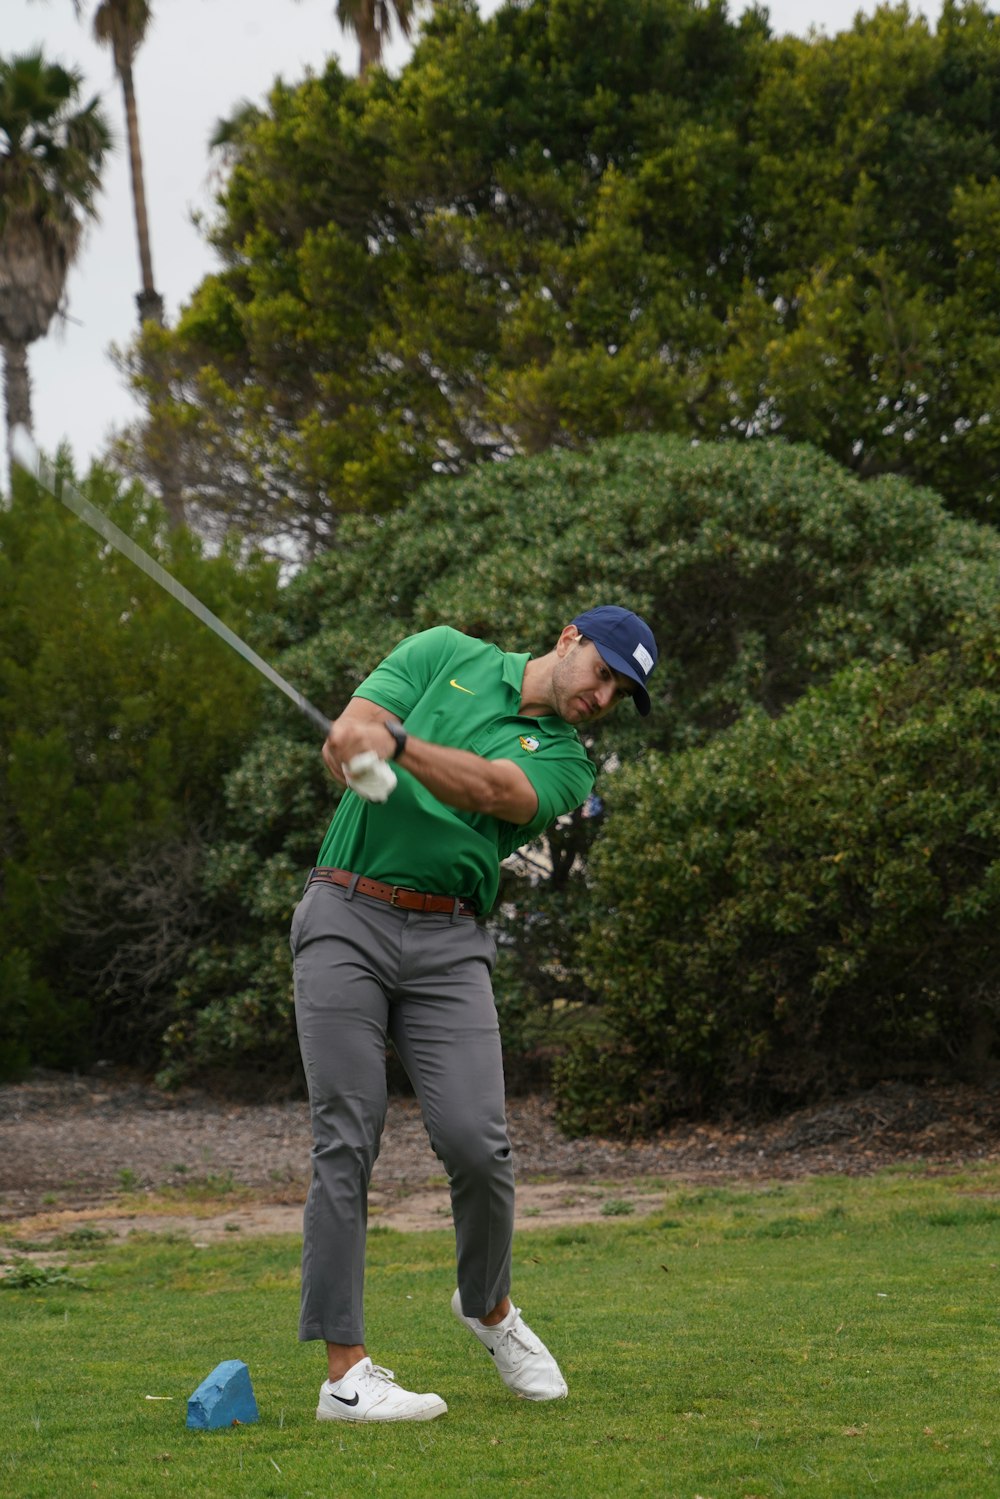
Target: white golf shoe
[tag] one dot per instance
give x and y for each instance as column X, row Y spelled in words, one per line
column 523, row 1362
column 370, row 1393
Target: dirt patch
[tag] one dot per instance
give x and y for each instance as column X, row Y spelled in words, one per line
column 122, row 1157
column 539, row 1205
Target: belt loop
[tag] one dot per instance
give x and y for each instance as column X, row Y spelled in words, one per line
column 456, row 910
column 352, row 887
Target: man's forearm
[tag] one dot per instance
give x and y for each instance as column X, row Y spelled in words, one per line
column 456, row 777
column 470, row 783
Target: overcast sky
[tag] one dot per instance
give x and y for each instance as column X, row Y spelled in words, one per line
column 200, row 59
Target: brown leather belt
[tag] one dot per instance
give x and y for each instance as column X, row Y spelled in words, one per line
column 400, row 896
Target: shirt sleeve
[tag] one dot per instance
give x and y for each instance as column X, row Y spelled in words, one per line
column 398, row 683
column 562, row 780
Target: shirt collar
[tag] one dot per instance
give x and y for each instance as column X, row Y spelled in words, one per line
column 514, row 663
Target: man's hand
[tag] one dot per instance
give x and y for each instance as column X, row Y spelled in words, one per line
column 360, row 728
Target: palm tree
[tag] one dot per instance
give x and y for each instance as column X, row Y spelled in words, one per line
column 122, row 25
column 371, row 22
column 51, row 154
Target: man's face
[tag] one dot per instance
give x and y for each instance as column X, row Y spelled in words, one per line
column 584, row 687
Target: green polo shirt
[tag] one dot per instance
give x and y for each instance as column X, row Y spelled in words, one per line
column 450, row 689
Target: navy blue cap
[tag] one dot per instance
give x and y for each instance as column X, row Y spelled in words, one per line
column 625, row 642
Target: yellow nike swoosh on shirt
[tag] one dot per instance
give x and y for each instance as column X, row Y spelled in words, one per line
column 469, row 690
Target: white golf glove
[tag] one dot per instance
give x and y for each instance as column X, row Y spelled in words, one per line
column 370, row 777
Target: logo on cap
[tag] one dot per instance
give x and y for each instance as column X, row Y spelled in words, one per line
column 643, row 657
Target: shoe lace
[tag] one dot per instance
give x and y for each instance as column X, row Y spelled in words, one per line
column 382, row 1375
column 518, row 1337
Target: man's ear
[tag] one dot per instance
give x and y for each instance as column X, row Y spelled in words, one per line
column 567, row 640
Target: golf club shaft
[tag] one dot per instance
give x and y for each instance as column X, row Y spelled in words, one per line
column 27, row 455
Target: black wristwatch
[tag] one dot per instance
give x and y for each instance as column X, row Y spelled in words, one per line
column 399, row 734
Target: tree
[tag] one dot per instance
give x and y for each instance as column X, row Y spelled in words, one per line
column 121, row 25
column 587, row 217
column 371, row 22
column 51, row 154
column 418, row 276
column 869, row 322
column 119, row 716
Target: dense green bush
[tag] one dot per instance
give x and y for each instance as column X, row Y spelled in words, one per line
column 119, row 716
column 805, row 904
column 764, row 568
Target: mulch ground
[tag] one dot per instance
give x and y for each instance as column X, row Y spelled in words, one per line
column 80, row 1141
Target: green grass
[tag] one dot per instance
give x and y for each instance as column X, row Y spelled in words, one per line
column 833, row 1337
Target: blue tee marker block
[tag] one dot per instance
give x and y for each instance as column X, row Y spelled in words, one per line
column 225, row 1396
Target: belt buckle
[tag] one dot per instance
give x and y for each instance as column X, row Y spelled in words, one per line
column 396, row 889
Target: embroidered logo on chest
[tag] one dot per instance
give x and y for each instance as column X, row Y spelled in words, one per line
column 529, row 743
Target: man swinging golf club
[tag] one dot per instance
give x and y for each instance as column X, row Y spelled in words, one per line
column 386, row 942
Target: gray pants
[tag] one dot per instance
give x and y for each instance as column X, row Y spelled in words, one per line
column 364, row 971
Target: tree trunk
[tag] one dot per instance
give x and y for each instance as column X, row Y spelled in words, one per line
column 172, row 497
column 369, row 39
column 17, row 393
column 149, row 301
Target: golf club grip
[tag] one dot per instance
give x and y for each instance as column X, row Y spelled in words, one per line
column 27, row 455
